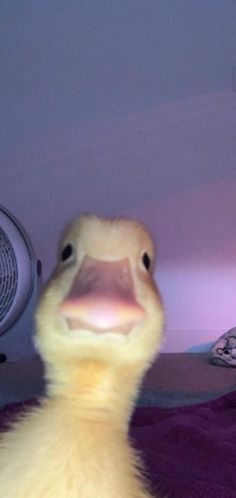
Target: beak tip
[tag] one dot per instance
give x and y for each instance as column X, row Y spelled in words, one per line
column 103, row 314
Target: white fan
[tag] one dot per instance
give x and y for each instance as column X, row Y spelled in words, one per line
column 20, row 279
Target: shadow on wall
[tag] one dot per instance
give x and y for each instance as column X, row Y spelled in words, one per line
column 200, row 348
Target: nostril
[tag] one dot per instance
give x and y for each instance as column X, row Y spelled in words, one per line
column 39, row 268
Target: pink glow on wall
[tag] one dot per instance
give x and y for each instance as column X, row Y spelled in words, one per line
column 197, row 262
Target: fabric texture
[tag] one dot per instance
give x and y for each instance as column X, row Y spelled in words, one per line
column 188, row 451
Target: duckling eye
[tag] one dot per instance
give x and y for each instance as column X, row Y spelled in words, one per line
column 67, row 252
column 146, row 261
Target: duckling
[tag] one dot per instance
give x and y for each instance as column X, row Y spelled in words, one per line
column 99, row 324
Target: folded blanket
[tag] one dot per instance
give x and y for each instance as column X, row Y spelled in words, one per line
column 189, row 452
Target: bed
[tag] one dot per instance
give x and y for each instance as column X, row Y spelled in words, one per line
column 184, row 423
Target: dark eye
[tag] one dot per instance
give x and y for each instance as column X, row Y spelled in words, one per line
column 146, row 261
column 67, row 252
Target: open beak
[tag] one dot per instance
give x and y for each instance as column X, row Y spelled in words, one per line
column 102, row 298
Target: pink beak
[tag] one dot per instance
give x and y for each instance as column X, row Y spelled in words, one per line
column 102, row 298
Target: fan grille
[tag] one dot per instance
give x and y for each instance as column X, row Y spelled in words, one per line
column 8, row 275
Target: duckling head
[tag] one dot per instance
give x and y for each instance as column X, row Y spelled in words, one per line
column 101, row 302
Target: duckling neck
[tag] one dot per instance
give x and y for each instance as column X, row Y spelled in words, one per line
column 96, row 390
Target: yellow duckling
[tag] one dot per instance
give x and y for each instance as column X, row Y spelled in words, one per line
column 99, row 325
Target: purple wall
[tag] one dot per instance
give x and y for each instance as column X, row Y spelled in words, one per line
column 102, row 109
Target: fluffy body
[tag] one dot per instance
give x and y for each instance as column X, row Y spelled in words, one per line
column 75, row 444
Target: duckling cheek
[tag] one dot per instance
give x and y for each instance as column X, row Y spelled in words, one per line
column 102, row 298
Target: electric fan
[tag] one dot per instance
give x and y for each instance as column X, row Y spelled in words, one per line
column 20, row 280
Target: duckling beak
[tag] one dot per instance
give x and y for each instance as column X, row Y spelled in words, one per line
column 102, row 298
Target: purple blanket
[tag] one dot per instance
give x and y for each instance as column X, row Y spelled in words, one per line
column 189, row 452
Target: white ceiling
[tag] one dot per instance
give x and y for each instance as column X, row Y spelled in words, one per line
column 62, row 61
column 108, row 104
